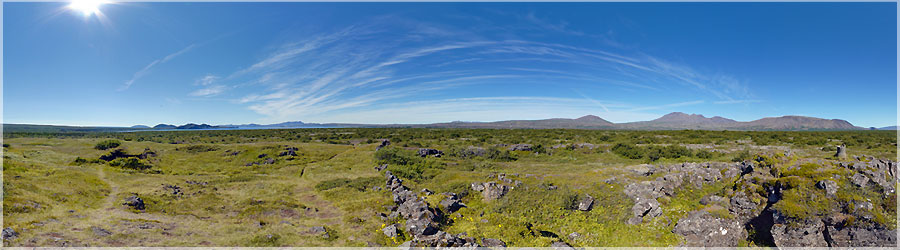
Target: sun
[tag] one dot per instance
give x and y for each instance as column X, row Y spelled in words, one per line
column 87, row 7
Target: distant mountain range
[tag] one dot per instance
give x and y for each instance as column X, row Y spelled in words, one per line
column 888, row 128
column 671, row 121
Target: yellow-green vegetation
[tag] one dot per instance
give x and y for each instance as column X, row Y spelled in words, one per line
column 243, row 188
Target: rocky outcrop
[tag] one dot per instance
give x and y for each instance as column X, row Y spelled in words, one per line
column 646, row 193
column 520, row 147
column 802, row 234
column 881, row 172
column 134, row 202
column 452, row 202
column 289, row 151
column 839, row 236
column 384, row 143
column 9, row 234
column 701, row 229
column 422, row 221
column 423, row 152
column 490, row 190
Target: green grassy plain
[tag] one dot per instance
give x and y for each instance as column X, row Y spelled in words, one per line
column 52, row 200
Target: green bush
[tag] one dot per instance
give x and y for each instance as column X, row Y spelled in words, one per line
column 628, row 151
column 668, row 152
column 742, row 156
column 107, row 144
column 197, row 148
column 396, row 156
column 497, row 154
column 704, row 154
column 129, row 163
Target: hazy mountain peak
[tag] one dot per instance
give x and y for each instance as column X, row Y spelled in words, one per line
column 591, row 118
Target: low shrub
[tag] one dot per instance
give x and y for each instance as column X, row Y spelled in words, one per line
column 107, row 144
column 197, row 148
column 129, row 163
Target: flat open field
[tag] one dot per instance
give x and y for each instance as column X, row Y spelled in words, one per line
column 320, row 187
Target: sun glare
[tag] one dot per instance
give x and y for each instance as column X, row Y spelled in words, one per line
column 87, row 7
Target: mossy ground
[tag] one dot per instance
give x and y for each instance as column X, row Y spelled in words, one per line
column 49, row 200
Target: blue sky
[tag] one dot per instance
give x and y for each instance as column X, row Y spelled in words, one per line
column 236, row 63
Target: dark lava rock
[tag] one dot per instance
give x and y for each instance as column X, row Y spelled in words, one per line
column 381, row 167
column 489, row 242
column 115, row 154
column 261, row 156
column 134, row 202
column 860, row 180
column 383, row 144
column 319, row 230
column 147, row 154
column 173, row 190
column 9, row 233
column 423, row 152
column 471, row 151
column 493, row 191
column 701, row 229
column 98, row 231
column 807, row 234
column 840, row 236
column 520, row 147
column 452, row 203
column 586, row 203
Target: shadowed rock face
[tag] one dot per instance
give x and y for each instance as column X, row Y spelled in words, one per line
column 701, row 229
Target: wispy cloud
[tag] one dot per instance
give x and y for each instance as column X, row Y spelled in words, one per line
column 360, row 71
column 209, row 91
column 141, row 73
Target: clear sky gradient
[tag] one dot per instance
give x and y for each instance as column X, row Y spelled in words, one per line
column 237, row 63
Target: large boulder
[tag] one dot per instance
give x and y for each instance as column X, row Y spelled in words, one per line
column 701, row 229
column 9, row 233
column 797, row 234
column 134, row 202
column 841, row 152
column 644, row 208
column 586, row 203
column 493, row 191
